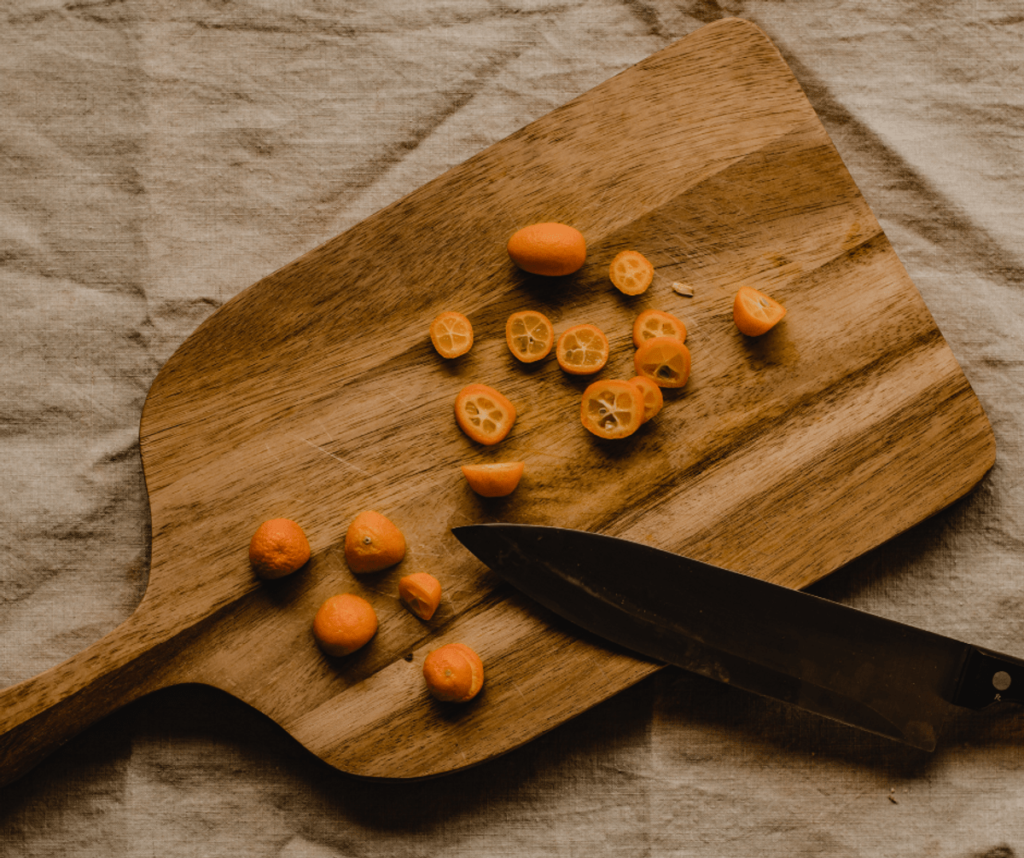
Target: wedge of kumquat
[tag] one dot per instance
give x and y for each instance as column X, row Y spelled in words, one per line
column 494, row 480
column 754, row 312
column 420, row 593
column 653, row 397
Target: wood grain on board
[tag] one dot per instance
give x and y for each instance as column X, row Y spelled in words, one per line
column 315, row 394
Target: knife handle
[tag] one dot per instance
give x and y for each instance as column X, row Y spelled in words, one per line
column 989, row 677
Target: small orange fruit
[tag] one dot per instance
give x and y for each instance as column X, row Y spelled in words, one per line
column 551, row 249
column 372, row 543
column 664, row 360
column 452, row 334
column 612, row 408
column 484, row 414
column 494, row 480
column 278, row 548
column 530, row 335
column 653, row 397
column 657, row 323
column 344, row 624
column 454, row 673
column 631, row 272
column 582, row 350
column 420, row 593
column 754, row 312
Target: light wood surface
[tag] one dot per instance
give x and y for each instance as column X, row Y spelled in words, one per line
column 315, row 394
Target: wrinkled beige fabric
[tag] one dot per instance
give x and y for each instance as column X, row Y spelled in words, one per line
column 157, row 158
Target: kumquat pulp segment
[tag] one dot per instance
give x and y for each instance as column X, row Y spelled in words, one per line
column 530, row 335
column 452, row 334
column 496, row 480
column 612, row 408
column 664, row 360
column 631, row 272
column 344, row 624
column 484, row 414
column 582, row 350
column 653, row 398
column 755, row 313
column 550, row 249
column 454, row 673
column 657, row 323
column 420, row 593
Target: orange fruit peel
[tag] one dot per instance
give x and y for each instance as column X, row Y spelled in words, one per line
column 657, row 323
column 452, row 334
column 653, row 397
column 582, row 350
column 495, row 480
column 420, row 593
column 530, row 335
column 612, row 408
column 278, row 548
column 484, row 414
column 454, row 673
column 549, row 249
column 373, row 543
column 664, row 360
column 631, row 272
column 754, row 312
column 344, row 624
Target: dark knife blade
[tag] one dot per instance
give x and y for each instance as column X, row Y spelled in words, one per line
column 858, row 668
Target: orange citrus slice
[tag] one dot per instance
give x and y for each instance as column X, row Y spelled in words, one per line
column 653, row 398
column 754, row 312
column 631, row 272
column 612, row 408
column 551, row 249
column 494, row 480
column 664, row 360
column 657, row 323
column 530, row 335
column 452, row 334
column 582, row 350
column 484, row 414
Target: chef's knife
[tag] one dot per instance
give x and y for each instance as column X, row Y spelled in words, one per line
column 849, row 665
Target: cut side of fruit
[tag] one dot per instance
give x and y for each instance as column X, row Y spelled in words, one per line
column 653, row 399
column 612, row 408
column 657, row 323
column 664, row 360
column 755, row 313
column 495, row 480
column 530, row 335
column 582, row 350
column 483, row 414
column 631, row 272
column 452, row 334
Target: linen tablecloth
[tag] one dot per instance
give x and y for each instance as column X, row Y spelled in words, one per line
column 158, row 158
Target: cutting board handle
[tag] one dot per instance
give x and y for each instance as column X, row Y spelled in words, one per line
column 39, row 715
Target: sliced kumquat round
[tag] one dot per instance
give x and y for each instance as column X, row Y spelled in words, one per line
column 653, row 398
column 420, row 593
column 454, row 673
column 530, row 335
column 495, row 480
column 631, row 272
column 754, row 312
column 452, row 334
column 483, row 414
column 664, row 360
column 612, row 408
column 657, row 323
column 582, row 350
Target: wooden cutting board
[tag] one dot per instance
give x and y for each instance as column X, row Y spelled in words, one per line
column 315, row 394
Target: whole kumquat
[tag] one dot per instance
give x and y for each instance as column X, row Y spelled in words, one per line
column 530, row 335
column 754, row 312
column 582, row 350
column 278, row 548
column 420, row 593
column 454, row 673
column 452, row 334
column 483, row 414
column 631, row 272
column 664, row 360
column 550, row 249
column 653, row 397
column 657, row 323
column 496, row 480
column 373, row 543
column 343, row 624
column 612, row 408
